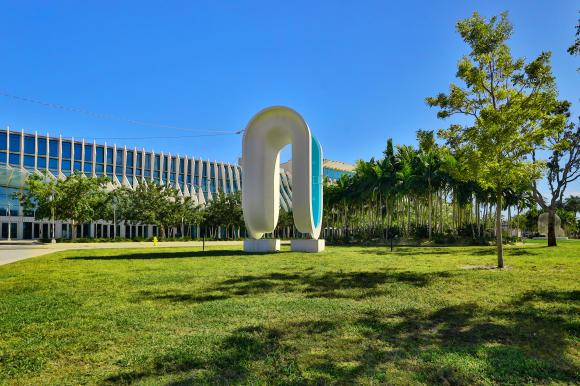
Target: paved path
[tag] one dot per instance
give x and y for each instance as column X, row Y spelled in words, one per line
column 15, row 251
column 11, row 255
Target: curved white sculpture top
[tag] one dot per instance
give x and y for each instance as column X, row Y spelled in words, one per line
column 264, row 137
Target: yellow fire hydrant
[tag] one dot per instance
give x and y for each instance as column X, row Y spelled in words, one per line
column 155, row 241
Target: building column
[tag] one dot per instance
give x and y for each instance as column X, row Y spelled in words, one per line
column 58, row 230
column 19, row 230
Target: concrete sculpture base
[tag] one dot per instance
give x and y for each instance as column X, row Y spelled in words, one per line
column 308, row 245
column 262, row 245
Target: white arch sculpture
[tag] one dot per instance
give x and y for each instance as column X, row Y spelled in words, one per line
column 264, row 137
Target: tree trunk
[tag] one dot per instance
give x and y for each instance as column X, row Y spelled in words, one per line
column 478, row 217
column 498, row 238
column 441, row 199
column 430, row 210
column 551, row 227
column 509, row 221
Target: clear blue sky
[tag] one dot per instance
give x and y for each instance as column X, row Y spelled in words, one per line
column 357, row 71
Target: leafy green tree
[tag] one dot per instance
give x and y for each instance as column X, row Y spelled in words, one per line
column 285, row 223
column 40, row 196
column 429, row 164
column 563, row 168
column 78, row 198
column 508, row 103
column 154, row 204
column 225, row 210
column 190, row 214
column 117, row 205
column 388, row 181
column 572, row 204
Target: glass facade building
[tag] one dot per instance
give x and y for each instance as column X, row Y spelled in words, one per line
column 24, row 153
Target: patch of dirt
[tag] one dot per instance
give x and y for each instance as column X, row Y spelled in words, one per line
column 484, row 267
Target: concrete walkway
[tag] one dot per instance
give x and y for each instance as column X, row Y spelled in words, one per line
column 11, row 251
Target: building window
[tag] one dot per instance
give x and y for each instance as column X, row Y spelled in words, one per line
column 148, row 161
column 129, row 160
column 88, row 153
column 65, row 165
column 119, row 160
column 14, row 159
column 29, row 145
column 157, row 164
column 29, row 161
column 110, row 156
column 66, row 149
column 41, row 146
column 139, row 160
column 3, row 142
column 53, row 149
column 41, row 162
column 15, row 143
column 53, row 164
column 204, row 169
column 100, row 152
column 78, row 152
column 88, row 167
column 77, row 166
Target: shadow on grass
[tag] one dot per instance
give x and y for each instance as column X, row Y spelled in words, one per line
column 181, row 297
column 413, row 251
column 521, row 252
column 524, row 342
column 163, row 255
column 337, row 285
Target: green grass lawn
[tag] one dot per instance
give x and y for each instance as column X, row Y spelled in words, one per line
column 349, row 315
